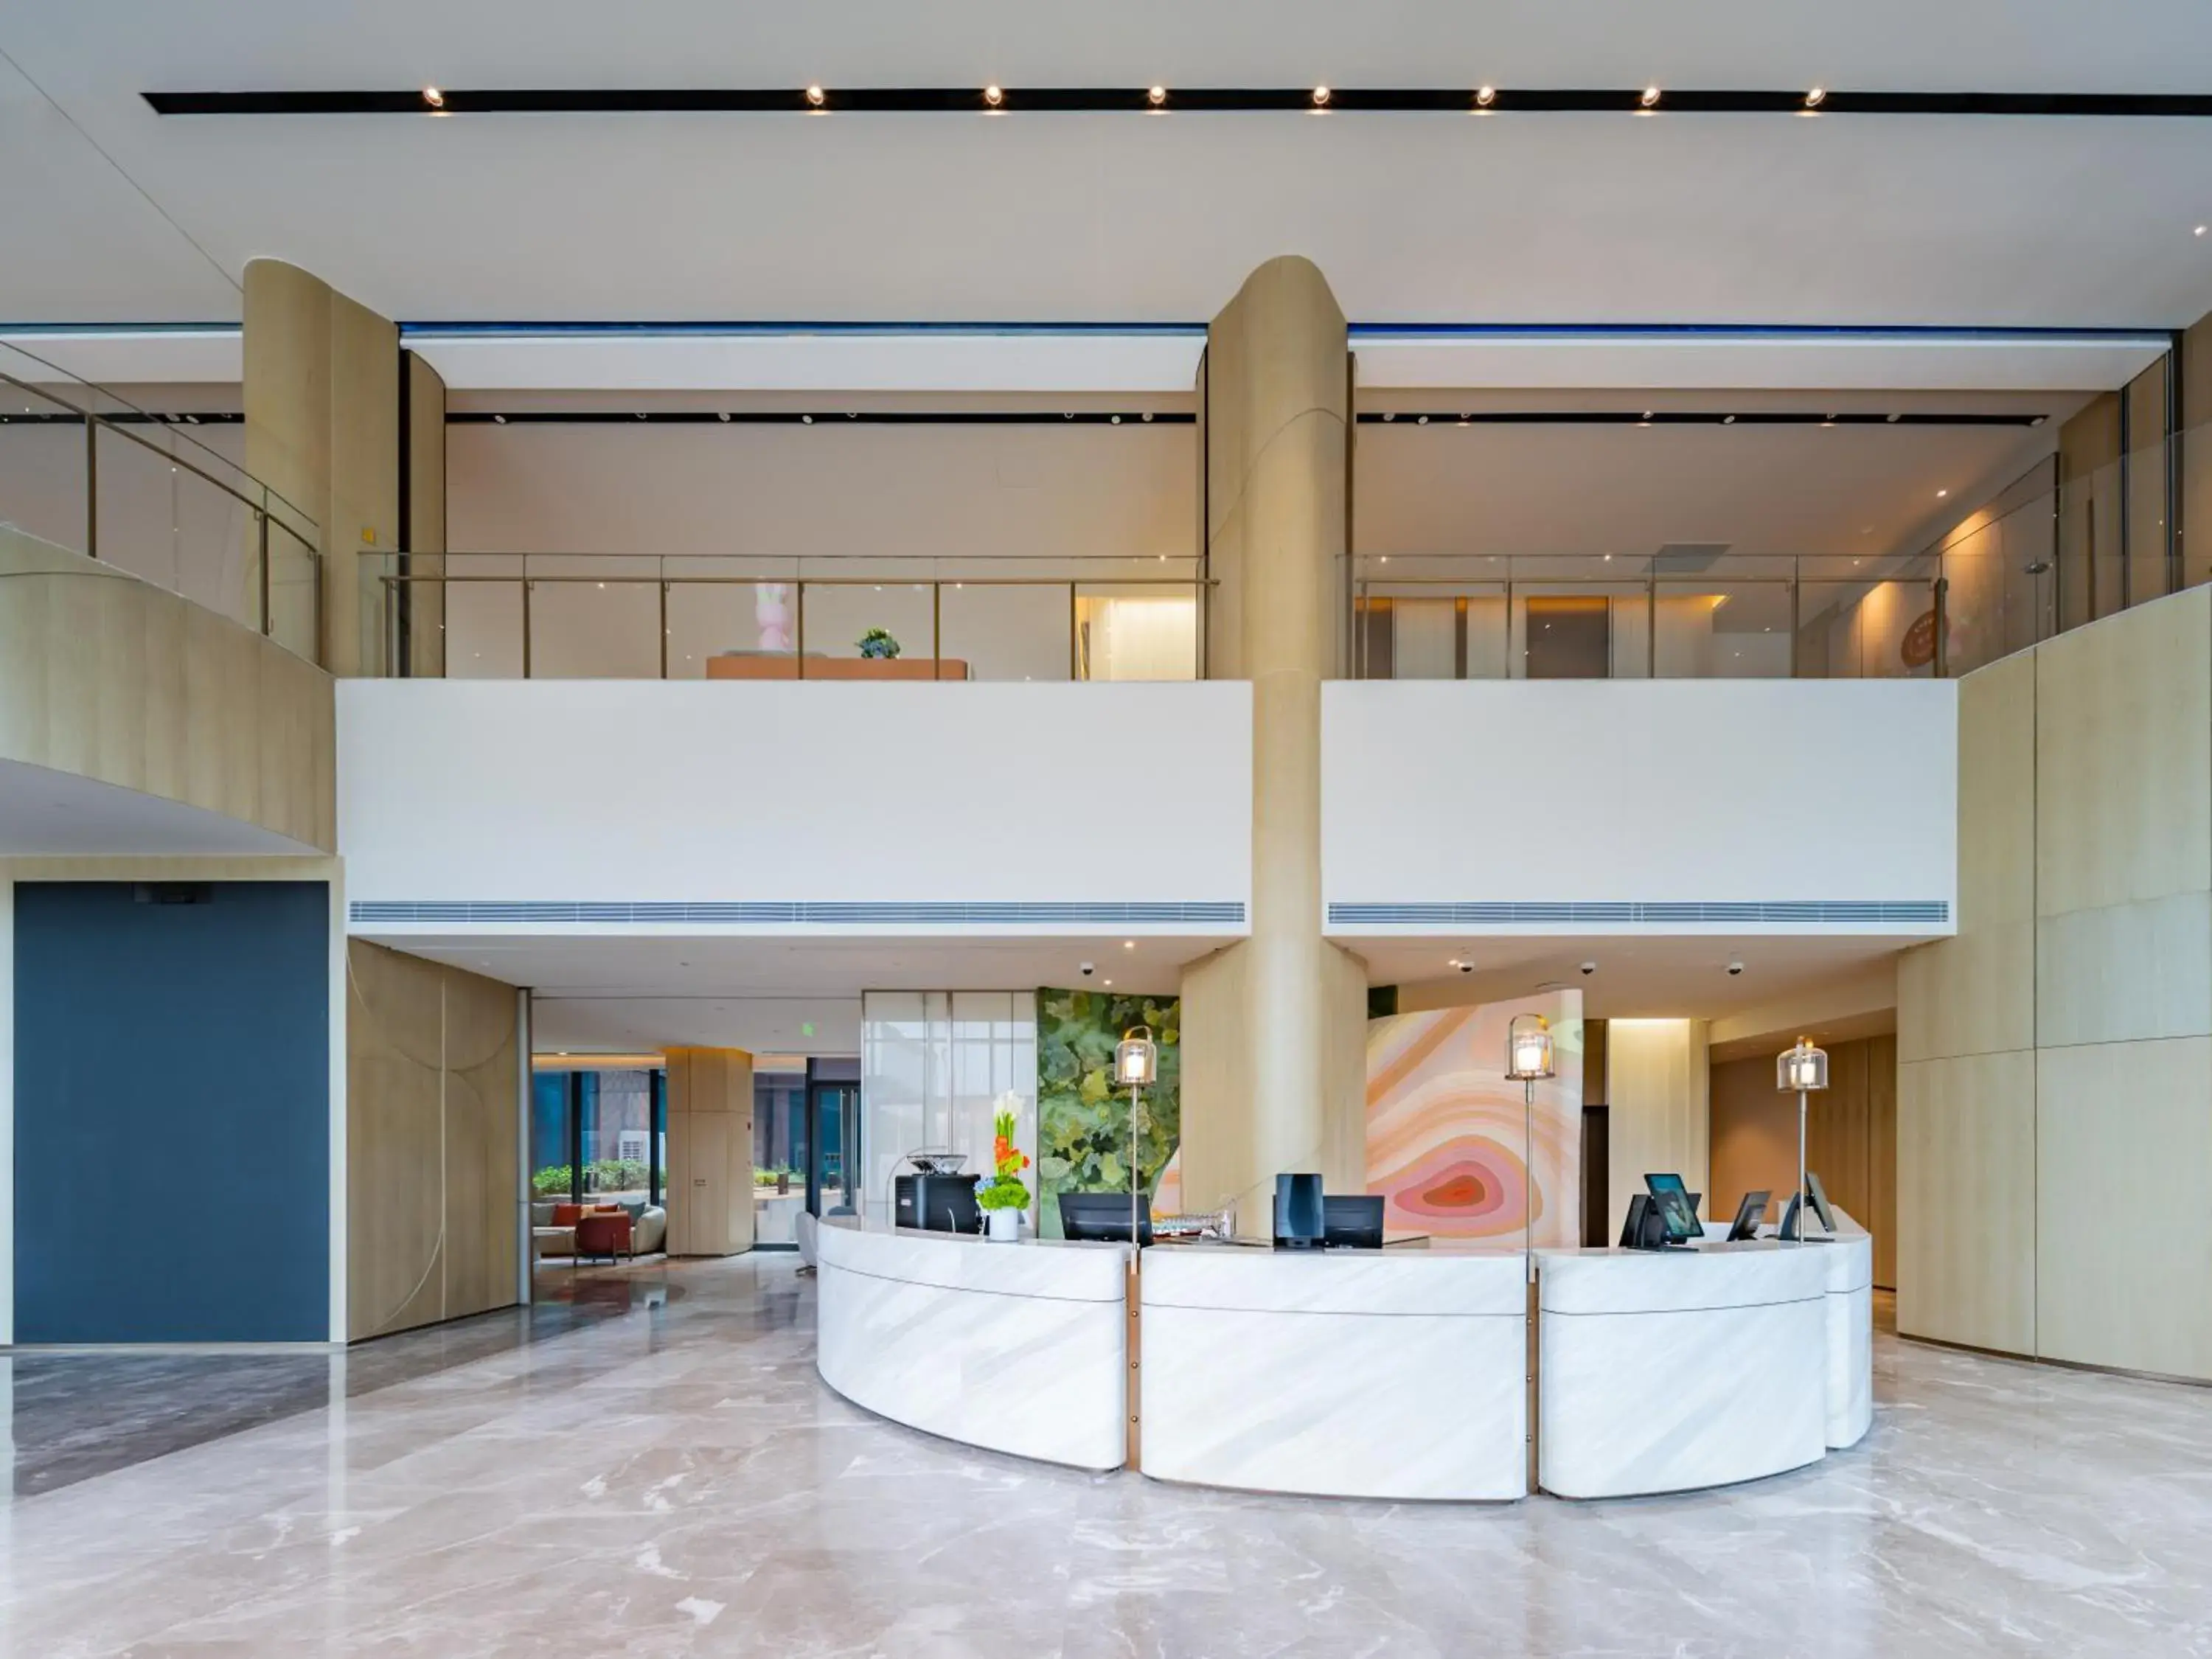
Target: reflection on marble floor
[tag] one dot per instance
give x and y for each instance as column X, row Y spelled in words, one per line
column 677, row 1481
column 66, row 1416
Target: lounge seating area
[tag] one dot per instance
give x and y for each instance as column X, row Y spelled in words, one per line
column 610, row 1231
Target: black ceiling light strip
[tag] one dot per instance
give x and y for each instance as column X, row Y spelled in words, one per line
column 128, row 417
column 817, row 418
column 1424, row 417
column 956, row 100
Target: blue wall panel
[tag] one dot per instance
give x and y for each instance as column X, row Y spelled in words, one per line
column 172, row 1114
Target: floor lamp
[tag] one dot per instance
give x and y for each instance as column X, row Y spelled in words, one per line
column 1804, row 1069
column 1528, row 1057
column 1136, row 1066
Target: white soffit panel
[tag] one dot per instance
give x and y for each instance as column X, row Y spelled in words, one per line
column 1153, row 359
column 1753, row 360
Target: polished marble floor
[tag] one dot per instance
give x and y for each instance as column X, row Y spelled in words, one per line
column 676, row 1481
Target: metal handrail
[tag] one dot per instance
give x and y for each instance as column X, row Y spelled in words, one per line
column 95, row 423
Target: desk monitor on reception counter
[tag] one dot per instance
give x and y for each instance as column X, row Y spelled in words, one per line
column 1748, row 1214
column 1101, row 1218
column 1677, row 1207
column 1352, row 1221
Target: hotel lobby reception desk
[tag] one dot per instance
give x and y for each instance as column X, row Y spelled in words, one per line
column 1398, row 1375
column 1391, row 1374
column 1020, row 1348
column 1665, row 1371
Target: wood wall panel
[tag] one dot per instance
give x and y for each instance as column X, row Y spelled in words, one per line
column 432, row 1055
column 116, row 680
column 2124, row 760
column 2123, row 1258
column 2126, row 972
column 710, row 1151
column 1965, row 1200
column 1881, row 1144
column 1850, row 1140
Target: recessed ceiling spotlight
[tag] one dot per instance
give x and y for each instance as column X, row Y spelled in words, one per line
column 1941, row 493
column 499, row 420
column 1727, row 420
column 1389, row 415
column 724, row 414
column 2038, row 421
column 993, row 95
column 1320, row 97
column 1814, row 99
column 2200, row 230
column 1128, row 944
column 1110, row 981
column 1486, row 96
column 815, row 96
column 1114, row 420
column 806, row 420
column 1421, row 420
column 1158, row 96
column 433, row 98
column 1148, row 414
column 1894, row 419
column 1651, row 99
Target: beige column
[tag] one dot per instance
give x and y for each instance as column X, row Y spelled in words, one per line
column 422, row 473
column 1274, row 1027
column 710, row 1151
column 322, row 429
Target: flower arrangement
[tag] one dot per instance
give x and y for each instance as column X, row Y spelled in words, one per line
column 1005, row 1190
column 878, row 643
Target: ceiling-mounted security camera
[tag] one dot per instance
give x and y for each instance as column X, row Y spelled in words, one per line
column 1090, row 969
column 1735, row 966
column 1589, row 968
column 1467, row 967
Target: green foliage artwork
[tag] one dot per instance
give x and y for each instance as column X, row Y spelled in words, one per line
column 1083, row 1120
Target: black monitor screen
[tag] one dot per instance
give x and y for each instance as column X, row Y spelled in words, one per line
column 1817, row 1196
column 1100, row 1218
column 1352, row 1221
column 1748, row 1214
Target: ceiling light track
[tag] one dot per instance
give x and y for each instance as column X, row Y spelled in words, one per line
column 1487, row 99
column 1420, row 417
column 821, row 417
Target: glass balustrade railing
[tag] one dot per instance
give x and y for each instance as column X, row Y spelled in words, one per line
column 580, row 616
column 161, row 496
column 2044, row 554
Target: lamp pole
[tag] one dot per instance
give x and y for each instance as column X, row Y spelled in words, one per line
column 1528, row 1057
column 1136, row 1063
column 1136, row 1174
column 1804, row 1069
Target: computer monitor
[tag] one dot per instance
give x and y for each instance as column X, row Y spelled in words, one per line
column 1678, row 1211
column 1352, row 1221
column 1748, row 1214
column 1101, row 1218
column 1631, row 1226
column 1819, row 1196
column 1299, row 1223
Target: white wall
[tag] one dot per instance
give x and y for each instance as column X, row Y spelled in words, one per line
column 1658, row 1116
column 631, row 790
column 1745, row 791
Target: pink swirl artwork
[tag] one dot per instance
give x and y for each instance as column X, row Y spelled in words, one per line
column 1445, row 1125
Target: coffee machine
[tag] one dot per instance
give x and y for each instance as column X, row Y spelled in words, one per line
column 936, row 1196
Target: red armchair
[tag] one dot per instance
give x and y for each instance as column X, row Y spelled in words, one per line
column 600, row 1233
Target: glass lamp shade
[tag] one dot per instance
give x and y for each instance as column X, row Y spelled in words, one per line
column 1527, row 1048
column 1136, row 1058
column 1802, row 1067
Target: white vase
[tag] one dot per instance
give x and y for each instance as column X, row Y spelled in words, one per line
column 1005, row 1225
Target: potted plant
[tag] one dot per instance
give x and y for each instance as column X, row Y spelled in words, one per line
column 878, row 643
column 1004, row 1197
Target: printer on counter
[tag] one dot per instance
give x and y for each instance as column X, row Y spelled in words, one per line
column 936, row 1196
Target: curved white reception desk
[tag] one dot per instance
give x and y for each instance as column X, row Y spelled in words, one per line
column 1397, row 1374
column 1018, row 1348
column 1665, row 1371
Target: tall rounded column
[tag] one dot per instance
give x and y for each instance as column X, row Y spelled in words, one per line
column 1274, row 1027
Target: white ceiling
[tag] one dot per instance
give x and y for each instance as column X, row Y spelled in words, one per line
column 116, row 214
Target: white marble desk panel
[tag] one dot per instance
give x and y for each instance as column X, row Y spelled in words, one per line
column 1667, row 1372
column 1020, row 1348
column 1391, row 1373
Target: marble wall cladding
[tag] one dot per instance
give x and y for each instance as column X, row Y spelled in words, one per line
column 1034, row 1376
column 1447, row 1133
